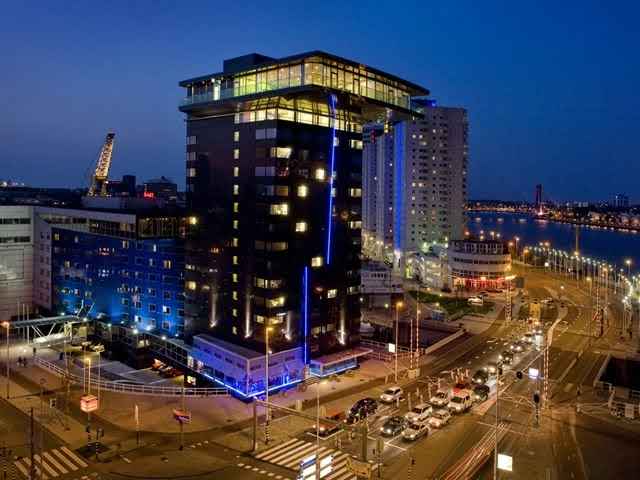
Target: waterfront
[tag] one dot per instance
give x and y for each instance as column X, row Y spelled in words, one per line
column 613, row 246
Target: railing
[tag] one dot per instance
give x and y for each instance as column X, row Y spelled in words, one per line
column 133, row 388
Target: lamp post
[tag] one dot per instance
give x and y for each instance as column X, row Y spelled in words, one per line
column 7, row 325
column 628, row 263
column 267, row 330
column 398, row 307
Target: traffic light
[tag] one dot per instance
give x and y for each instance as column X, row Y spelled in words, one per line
column 519, row 375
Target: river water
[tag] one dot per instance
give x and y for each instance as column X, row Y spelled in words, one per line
column 612, row 246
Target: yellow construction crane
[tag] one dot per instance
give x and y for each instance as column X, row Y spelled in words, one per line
column 100, row 175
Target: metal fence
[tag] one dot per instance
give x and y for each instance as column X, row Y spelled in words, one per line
column 132, row 388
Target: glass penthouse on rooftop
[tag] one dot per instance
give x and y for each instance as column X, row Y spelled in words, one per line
column 312, row 68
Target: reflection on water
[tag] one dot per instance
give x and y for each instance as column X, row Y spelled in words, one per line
column 613, row 246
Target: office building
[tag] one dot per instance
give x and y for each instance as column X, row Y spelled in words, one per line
column 621, row 201
column 16, row 261
column 420, row 183
column 119, row 267
column 274, row 178
column 161, row 188
column 476, row 264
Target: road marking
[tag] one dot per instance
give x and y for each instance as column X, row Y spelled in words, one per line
column 241, row 465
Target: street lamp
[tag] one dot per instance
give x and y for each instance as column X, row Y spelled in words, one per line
column 267, row 330
column 628, row 263
column 7, row 325
column 399, row 305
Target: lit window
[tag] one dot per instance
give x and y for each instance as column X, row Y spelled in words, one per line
column 320, row 174
column 355, row 224
column 235, row 224
column 193, row 220
column 234, row 277
column 191, row 285
column 336, row 141
column 166, row 310
column 234, row 330
column 332, row 293
column 236, row 153
column 166, row 264
column 236, row 171
column 357, row 144
column 279, row 209
column 235, row 260
column 275, row 302
column 301, row 226
column 236, row 136
column 234, row 312
column 236, row 207
column 235, row 295
column 355, row 192
column 281, row 152
column 317, row 261
column 234, row 242
column 191, row 172
column 236, row 189
column 303, row 190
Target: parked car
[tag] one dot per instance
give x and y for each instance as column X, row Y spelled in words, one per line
column 480, row 377
column 440, row 399
column 506, row 357
column 461, row 402
column 439, row 418
column 528, row 338
column 362, row 409
column 393, row 426
column 415, row 431
column 517, row 347
column 477, row 301
column 481, row 393
column 392, row 394
column 419, row 413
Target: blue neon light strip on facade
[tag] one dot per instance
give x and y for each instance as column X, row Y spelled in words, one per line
column 332, row 107
column 252, row 394
column 398, row 181
column 305, row 311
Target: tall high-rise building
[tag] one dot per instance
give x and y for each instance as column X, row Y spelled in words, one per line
column 274, row 177
column 621, row 201
column 420, row 181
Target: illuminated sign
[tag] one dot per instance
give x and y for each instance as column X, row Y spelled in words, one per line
column 505, row 462
column 88, row 403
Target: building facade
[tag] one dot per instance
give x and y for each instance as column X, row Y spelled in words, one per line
column 420, row 183
column 478, row 264
column 124, row 268
column 16, row 261
column 274, row 177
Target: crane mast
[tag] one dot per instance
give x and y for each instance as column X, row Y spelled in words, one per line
column 98, row 185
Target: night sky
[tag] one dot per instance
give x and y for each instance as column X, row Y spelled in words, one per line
column 551, row 87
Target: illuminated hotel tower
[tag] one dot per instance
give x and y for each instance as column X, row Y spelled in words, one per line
column 274, row 181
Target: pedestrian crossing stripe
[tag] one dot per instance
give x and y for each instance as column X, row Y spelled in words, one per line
column 51, row 463
column 289, row 455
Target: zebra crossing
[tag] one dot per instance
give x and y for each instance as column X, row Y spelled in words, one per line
column 290, row 453
column 52, row 463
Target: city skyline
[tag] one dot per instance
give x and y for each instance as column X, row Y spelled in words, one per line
column 94, row 84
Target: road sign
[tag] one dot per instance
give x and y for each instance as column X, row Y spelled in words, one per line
column 88, row 403
column 182, row 416
column 505, row 462
column 391, row 347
